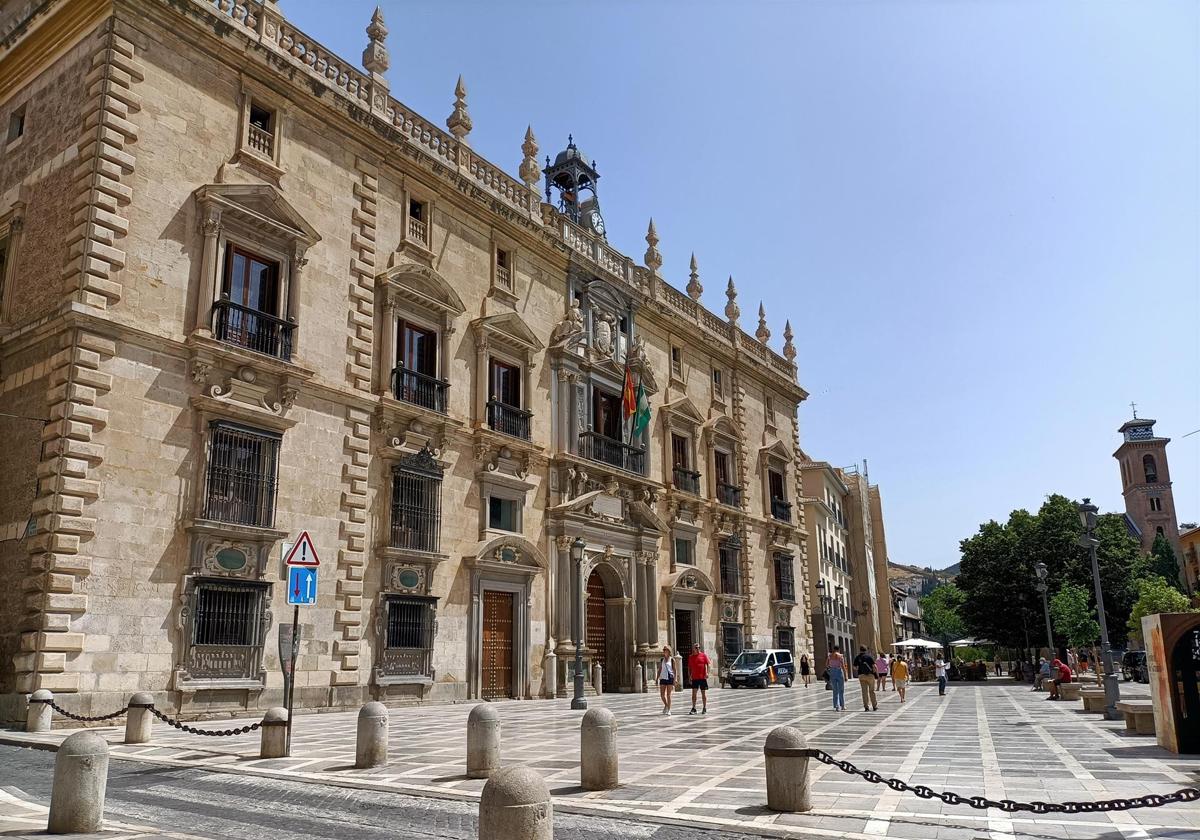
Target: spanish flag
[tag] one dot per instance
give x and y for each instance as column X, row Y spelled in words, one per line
column 628, row 398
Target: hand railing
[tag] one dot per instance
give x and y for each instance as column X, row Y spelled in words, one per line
column 261, row 332
column 686, row 480
column 419, row 389
column 729, row 494
column 606, row 450
column 508, row 419
column 781, row 510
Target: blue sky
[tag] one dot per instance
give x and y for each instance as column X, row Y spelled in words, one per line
column 983, row 218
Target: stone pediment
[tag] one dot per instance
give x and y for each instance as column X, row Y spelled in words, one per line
column 508, row 327
column 644, row 515
column 260, row 207
column 775, row 449
column 512, row 551
column 599, row 504
column 723, row 426
column 689, row 579
column 685, row 410
column 422, row 285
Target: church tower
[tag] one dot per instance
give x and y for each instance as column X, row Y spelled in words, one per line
column 1146, row 482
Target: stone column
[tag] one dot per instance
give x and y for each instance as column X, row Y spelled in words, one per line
column 482, row 377
column 209, row 267
column 562, row 590
column 387, row 345
column 291, row 312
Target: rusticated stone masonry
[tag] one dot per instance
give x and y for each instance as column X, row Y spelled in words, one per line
column 352, row 556
column 737, row 396
column 67, row 483
column 101, row 177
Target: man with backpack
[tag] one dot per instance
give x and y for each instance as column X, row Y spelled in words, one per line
column 864, row 667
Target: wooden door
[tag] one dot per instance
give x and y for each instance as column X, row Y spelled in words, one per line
column 683, row 642
column 497, row 645
column 597, row 622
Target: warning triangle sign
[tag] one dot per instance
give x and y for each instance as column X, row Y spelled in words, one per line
column 303, row 552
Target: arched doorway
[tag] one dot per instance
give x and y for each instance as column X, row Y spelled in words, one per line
column 597, row 621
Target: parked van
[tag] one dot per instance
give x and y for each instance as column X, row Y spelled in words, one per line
column 761, row 668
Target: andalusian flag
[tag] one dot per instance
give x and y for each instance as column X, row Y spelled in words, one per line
column 641, row 417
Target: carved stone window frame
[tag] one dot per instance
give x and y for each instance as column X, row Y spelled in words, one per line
column 413, row 190
column 499, row 243
column 776, row 458
column 270, row 166
column 501, row 486
column 190, row 676
column 684, row 419
column 11, row 225
column 507, row 338
column 386, row 671
column 720, row 434
column 412, row 292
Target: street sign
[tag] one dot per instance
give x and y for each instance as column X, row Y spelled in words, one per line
column 303, row 552
column 302, row 586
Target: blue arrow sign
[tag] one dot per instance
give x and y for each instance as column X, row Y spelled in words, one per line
column 302, row 586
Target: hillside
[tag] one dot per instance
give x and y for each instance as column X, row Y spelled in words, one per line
column 921, row 579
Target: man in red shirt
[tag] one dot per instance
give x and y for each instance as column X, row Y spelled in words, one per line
column 1061, row 673
column 698, row 671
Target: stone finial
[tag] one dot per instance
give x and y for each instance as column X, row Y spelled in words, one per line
column 459, row 121
column 652, row 259
column 530, row 172
column 375, row 56
column 732, row 312
column 789, row 349
column 694, row 289
column 762, row 332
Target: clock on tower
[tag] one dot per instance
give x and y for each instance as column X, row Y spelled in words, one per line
column 575, row 180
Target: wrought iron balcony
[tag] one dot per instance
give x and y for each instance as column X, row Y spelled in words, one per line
column 613, row 452
column 781, row 510
column 686, row 480
column 417, row 388
column 261, row 332
column 508, row 419
column 729, row 494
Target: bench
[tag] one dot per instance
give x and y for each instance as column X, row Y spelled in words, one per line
column 1139, row 716
column 1093, row 699
column 1069, row 691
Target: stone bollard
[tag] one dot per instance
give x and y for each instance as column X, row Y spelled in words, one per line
column 80, row 777
column 138, row 719
column 598, row 750
column 39, row 715
column 639, row 678
column 371, row 748
column 787, row 770
column 483, row 741
column 274, row 734
column 677, row 664
column 598, row 678
column 515, row 805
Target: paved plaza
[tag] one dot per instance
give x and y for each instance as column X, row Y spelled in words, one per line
column 995, row 739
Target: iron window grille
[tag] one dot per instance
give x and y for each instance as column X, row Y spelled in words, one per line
column 786, row 638
column 785, row 585
column 731, row 640
column 243, row 466
column 731, row 577
column 417, row 503
column 408, row 636
column 227, row 614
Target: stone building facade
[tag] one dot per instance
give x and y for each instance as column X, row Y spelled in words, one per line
column 246, row 292
column 1146, row 485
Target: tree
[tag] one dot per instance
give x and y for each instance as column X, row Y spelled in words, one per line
column 997, row 585
column 1155, row 595
column 1162, row 561
column 1121, row 565
column 940, row 612
column 1073, row 616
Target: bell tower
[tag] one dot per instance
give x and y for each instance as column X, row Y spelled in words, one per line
column 1146, row 482
column 572, row 176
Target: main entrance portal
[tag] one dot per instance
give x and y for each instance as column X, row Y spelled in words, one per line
column 497, row 662
column 683, row 641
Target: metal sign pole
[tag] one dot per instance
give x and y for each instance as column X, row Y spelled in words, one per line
column 291, row 688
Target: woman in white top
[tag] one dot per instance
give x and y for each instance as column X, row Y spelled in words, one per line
column 666, row 679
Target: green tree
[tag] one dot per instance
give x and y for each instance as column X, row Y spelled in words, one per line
column 997, row 580
column 1162, row 561
column 1122, row 563
column 940, row 612
column 1155, row 595
column 1074, row 617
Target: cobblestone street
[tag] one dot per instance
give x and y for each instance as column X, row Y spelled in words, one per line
column 995, row 739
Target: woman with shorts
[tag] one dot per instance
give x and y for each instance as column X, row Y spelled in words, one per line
column 666, row 679
column 900, row 676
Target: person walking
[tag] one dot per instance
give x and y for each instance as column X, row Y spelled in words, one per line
column 996, row 663
column 666, row 679
column 882, row 666
column 939, row 671
column 805, row 669
column 698, row 671
column 900, row 676
column 864, row 667
column 837, row 673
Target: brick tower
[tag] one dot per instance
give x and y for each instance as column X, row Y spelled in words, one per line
column 1146, row 482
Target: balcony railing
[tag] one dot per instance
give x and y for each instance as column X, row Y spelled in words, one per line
column 254, row 330
column 613, row 452
column 261, row 140
column 729, row 494
column 508, row 419
column 686, row 480
column 781, row 510
column 503, row 278
column 418, row 231
column 417, row 388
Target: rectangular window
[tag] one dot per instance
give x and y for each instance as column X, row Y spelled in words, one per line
column 416, row 509
column 718, row 383
column 262, row 130
column 721, row 465
column 504, row 400
column 408, row 636
column 505, row 384
column 1155, row 504
column 247, row 315
column 676, row 362
column 504, row 278
column 684, row 552
column 731, row 575
column 785, row 587
column 227, row 614
column 415, row 379
column 785, row 639
column 731, row 640
column 16, row 124
column 680, row 452
column 775, row 481
column 504, row 514
column 418, row 223
column 242, row 470
column 606, row 414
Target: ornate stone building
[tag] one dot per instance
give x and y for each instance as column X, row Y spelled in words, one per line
column 246, row 292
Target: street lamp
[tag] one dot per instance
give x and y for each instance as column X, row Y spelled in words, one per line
column 577, row 701
column 1042, row 572
column 1112, row 691
column 819, row 612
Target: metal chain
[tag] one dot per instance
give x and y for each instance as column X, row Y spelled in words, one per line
column 241, row 730
column 83, row 718
column 1150, row 800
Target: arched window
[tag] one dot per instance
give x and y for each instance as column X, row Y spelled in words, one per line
column 1150, row 468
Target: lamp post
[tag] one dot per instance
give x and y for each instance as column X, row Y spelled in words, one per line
column 820, row 634
column 577, row 700
column 1041, row 571
column 1112, row 690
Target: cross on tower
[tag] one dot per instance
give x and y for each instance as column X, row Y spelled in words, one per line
column 1133, row 405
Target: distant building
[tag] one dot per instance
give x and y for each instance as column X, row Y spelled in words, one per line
column 906, row 614
column 1146, row 484
column 1189, row 554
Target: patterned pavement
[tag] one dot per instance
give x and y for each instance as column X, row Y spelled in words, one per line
column 997, row 739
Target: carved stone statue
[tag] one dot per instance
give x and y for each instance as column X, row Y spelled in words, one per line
column 637, row 353
column 570, row 328
column 602, row 336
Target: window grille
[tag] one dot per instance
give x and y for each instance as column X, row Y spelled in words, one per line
column 417, row 503
column 408, row 636
column 785, row 586
column 242, row 472
column 227, row 614
column 731, row 640
column 730, row 573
